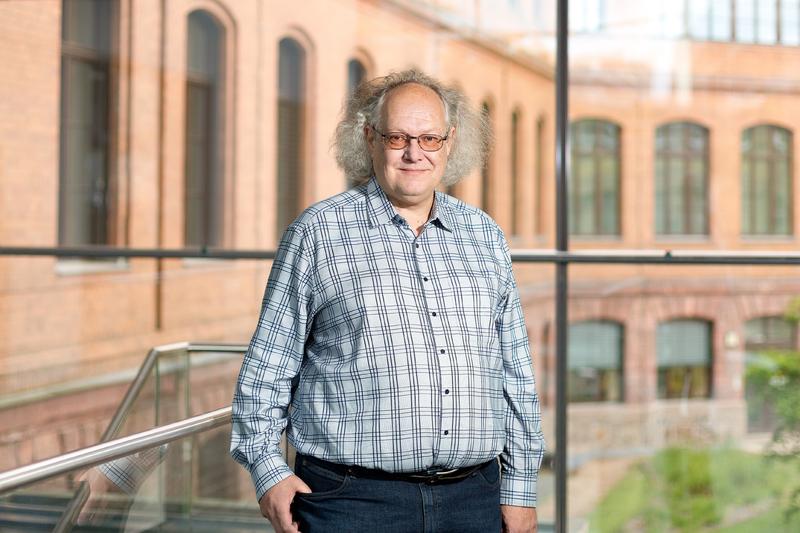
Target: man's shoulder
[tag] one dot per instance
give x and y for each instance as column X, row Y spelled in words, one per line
column 349, row 202
column 467, row 215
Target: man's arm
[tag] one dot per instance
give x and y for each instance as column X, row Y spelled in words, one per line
column 524, row 447
column 273, row 359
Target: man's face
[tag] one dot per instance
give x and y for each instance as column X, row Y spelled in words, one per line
column 410, row 175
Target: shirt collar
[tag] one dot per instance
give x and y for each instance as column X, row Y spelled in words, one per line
column 381, row 211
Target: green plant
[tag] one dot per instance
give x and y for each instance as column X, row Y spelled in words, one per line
column 775, row 380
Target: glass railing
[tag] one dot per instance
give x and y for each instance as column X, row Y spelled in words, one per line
column 168, row 478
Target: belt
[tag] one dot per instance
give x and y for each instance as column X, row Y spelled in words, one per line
column 431, row 478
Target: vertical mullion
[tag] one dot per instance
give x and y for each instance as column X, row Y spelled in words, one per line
column 562, row 245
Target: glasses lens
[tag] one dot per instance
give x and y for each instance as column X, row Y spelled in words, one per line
column 396, row 141
column 430, row 142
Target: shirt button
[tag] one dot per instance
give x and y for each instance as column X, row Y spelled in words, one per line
column 441, row 351
column 425, row 279
column 446, row 432
column 417, row 245
column 434, row 313
column 447, row 391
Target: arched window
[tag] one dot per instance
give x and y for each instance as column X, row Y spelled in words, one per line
column 539, row 183
column 290, row 130
column 761, row 336
column 356, row 72
column 683, row 351
column 86, row 187
column 767, row 181
column 486, row 171
column 595, row 356
column 681, row 179
column 594, row 192
column 205, row 124
column 515, row 172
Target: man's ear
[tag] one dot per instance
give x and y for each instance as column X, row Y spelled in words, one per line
column 451, row 137
column 369, row 135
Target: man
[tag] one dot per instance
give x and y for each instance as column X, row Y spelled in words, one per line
column 392, row 326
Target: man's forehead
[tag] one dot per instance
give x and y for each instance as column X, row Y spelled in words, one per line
column 413, row 99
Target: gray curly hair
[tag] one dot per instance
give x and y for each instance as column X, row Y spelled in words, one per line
column 364, row 107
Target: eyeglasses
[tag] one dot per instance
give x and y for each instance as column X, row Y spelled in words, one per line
column 397, row 140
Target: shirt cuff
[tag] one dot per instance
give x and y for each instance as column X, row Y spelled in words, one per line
column 518, row 490
column 267, row 472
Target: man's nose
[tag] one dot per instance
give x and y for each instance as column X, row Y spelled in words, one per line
column 412, row 151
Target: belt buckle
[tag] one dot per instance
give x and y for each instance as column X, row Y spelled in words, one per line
column 440, row 475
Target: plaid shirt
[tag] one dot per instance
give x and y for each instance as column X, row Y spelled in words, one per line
column 398, row 352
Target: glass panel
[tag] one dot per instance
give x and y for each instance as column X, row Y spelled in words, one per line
column 665, row 457
column 190, row 484
column 355, row 74
column 88, row 23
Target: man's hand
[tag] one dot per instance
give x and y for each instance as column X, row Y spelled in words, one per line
column 276, row 504
column 99, row 487
column 518, row 519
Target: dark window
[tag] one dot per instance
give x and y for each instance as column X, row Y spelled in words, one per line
column 595, row 361
column 767, row 181
column 291, row 131
column 539, row 186
column 681, row 179
column 595, row 176
column 87, row 92
column 761, row 336
column 515, row 173
column 683, row 351
column 356, row 72
column 486, row 171
column 205, row 184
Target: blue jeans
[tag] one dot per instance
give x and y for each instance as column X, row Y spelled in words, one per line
column 347, row 503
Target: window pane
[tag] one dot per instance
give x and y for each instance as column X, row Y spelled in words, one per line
column 721, row 20
column 355, row 74
column 683, row 343
column 291, row 113
column 87, row 23
column 767, row 21
column 745, row 21
column 790, row 22
column 204, row 180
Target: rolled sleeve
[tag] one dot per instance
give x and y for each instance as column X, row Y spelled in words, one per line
column 524, row 447
column 273, row 360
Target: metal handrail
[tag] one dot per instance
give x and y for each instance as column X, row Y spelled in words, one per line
column 78, row 500
column 113, row 449
column 144, row 372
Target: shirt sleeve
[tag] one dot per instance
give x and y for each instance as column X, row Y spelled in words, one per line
column 524, row 448
column 264, row 388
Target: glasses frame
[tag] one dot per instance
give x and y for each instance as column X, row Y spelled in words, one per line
column 408, row 138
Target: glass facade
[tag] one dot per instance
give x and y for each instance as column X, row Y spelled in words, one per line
column 164, row 126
